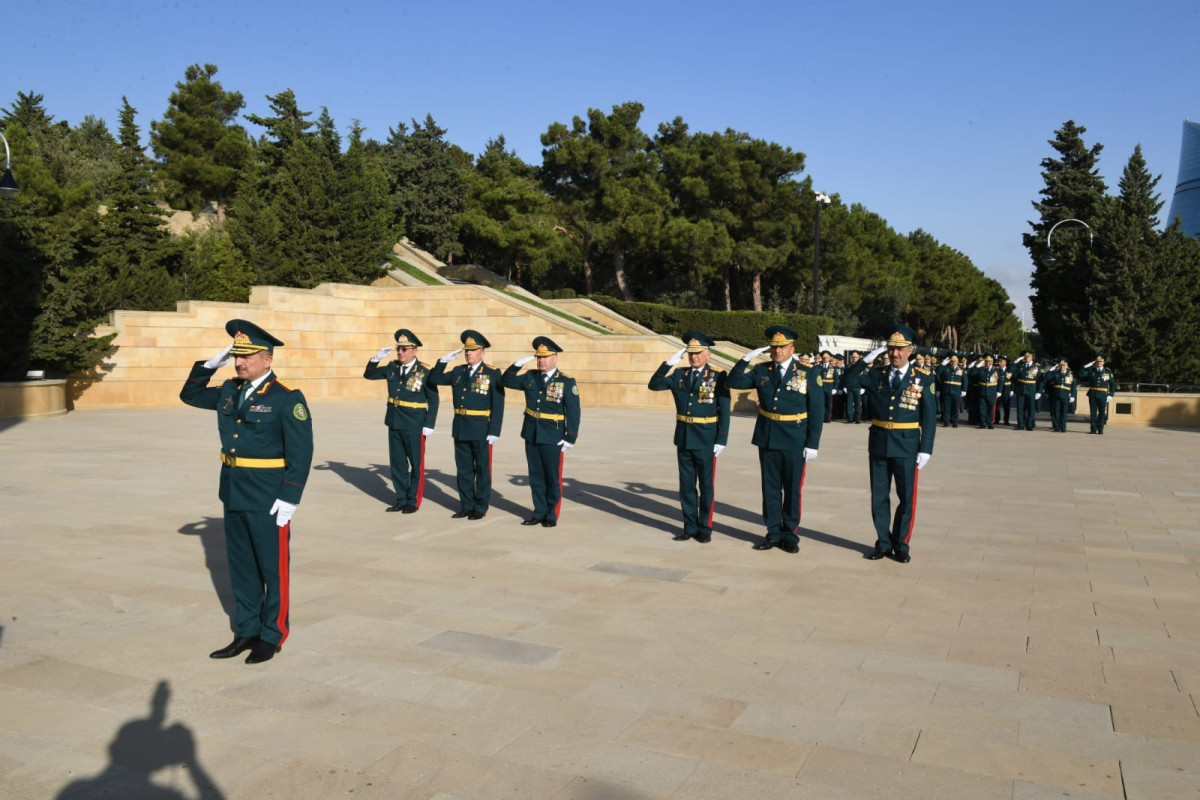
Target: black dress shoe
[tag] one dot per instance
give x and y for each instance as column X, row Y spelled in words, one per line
column 549, row 523
column 953, row 424
column 460, row 514
column 877, row 554
column 476, row 515
column 262, row 651
column 531, row 521
column 681, row 537
column 902, row 558
column 991, row 427
column 765, row 544
column 410, row 509
column 703, row 538
column 238, row 645
column 790, row 548
column 396, row 507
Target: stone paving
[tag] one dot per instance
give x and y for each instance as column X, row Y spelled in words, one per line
column 1043, row 643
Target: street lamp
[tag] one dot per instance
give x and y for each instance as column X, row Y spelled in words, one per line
column 1050, row 250
column 822, row 200
column 8, row 184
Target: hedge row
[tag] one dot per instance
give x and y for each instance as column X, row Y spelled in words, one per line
column 743, row 327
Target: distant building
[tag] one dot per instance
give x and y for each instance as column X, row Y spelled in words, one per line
column 1186, row 202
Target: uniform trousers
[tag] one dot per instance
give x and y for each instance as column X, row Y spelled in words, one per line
column 893, row 531
column 474, row 462
column 545, row 463
column 406, row 452
column 782, row 484
column 697, row 469
column 259, row 557
column 853, row 405
column 1098, row 410
column 987, row 410
column 1026, row 411
column 1059, row 406
column 950, row 403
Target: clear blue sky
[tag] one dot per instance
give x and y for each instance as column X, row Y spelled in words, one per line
column 934, row 115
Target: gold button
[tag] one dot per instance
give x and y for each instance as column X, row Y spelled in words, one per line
column 233, row 450
column 235, row 436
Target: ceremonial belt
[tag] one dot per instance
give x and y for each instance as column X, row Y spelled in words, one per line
column 895, row 426
column 406, row 403
column 529, row 412
column 954, row 383
column 470, row 412
column 782, row 417
column 694, row 420
column 1022, row 380
column 253, row 463
column 1096, row 389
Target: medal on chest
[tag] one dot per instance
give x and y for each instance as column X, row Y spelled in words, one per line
column 911, row 396
column 798, row 383
column 415, row 379
column 554, row 391
column 482, row 383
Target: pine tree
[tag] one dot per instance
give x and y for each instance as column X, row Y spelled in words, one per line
column 428, row 184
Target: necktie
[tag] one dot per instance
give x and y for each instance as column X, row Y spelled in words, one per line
column 695, row 374
column 895, row 379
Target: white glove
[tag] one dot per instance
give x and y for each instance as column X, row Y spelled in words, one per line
column 862, row 391
column 945, row 361
column 446, row 359
column 922, row 460
column 675, row 359
column 564, row 445
column 1109, row 400
column 220, row 359
column 427, row 432
column 1088, row 365
column 874, row 354
column 492, row 439
column 283, row 512
column 717, row 448
column 381, row 354
column 810, row 454
column 520, row 362
column 753, row 354
column 1037, row 396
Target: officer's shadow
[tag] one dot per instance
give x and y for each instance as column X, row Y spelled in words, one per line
column 141, row 748
column 375, row 481
column 627, row 504
column 211, row 531
column 449, row 497
column 721, row 511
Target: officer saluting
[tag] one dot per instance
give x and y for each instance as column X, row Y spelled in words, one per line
column 266, row 451
column 791, row 412
column 701, row 430
column 411, row 414
column 1101, row 385
column 478, row 417
column 550, row 426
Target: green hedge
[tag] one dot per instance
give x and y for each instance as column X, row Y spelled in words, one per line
column 743, row 327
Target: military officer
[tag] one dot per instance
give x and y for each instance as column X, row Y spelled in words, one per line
column 1027, row 389
column 478, row 416
column 1101, row 385
column 829, row 381
column 985, row 378
column 701, row 429
column 1004, row 395
column 1061, row 386
column 950, row 385
column 550, row 426
column 411, row 415
column 787, row 432
column 901, row 404
column 852, row 389
column 266, row 452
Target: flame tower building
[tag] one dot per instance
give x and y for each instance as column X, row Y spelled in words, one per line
column 1186, row 202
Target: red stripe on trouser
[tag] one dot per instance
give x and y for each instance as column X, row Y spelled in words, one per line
column 912, row 519
column 800, row 499
column 284, row 561
column 558, row 505
column 713, row 503
column 421, row 480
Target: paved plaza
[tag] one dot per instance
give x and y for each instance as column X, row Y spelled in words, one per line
column 1043, row 643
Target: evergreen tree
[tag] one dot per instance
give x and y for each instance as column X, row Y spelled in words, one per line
column 200, row 149
column 428, row 184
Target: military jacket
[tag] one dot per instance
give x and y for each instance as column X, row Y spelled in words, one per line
column 1061, row 384
column 1098, row 382
column 903, row 420
column 1027, row 379
column 1006, row 379
column 829, row 377
column 951, row 379
column 791, row 409
column 986, row 380
column 704, row 407
column 274, row 424
column 478, row 400
column 551, row 407
column 412, row 400
column 850, row 382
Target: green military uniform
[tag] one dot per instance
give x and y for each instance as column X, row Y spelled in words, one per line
column 266, row 452
column 702, row 408
column 829, row 381
column 478, row 414
column 904, row 420
column 412, row 409
column 1061, row 386
column 549, row 428
column 1027, row 386
column 1004, row 396
column 985, row 380
column 1101, row 385
column 851, row 386
column 950, row 379
column 791, row 412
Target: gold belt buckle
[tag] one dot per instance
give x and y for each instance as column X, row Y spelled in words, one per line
column 230, row 461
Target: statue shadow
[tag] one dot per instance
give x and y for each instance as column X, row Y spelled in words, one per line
column 211, row 531
column 141, row 748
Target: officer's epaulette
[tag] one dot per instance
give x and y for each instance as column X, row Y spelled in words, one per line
column 422, row 364
column 717, row 369
column 922, row 370
column 490, row 366
column 280, row 384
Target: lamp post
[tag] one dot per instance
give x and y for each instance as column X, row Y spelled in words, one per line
column 822, row 200
column 1050, row 233
column 8, row 184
